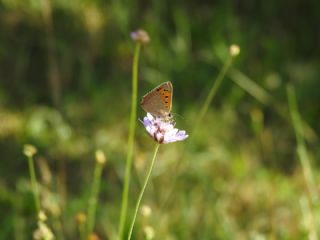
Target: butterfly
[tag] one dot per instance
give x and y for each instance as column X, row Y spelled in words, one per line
column 158, row 101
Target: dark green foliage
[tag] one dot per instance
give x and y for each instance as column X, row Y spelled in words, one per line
column 65, row 82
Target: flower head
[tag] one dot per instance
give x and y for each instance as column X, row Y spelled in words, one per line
column 140, row 36
column 93, row 236
column 42, row 216
column 80, row 218
column 43, row 232
column 29, row 150
column 162, row 130
column 146, row 210
column 234, row 50
column 149, row 232
column 100, row 157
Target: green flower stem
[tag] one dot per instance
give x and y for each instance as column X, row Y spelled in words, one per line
column 57, row 228
column 213, row 91
column 34, row 183
column 142, row 191
column 93, row 198
column 82, row 231
column 301, row 145
column 132, row 126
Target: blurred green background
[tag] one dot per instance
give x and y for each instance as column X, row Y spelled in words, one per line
column 65, row 87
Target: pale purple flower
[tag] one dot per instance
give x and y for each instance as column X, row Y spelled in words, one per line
column 140, row 36
column 163, row 131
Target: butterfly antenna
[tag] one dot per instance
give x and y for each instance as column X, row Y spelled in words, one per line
column 176, row 114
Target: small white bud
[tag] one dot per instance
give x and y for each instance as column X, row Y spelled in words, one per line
column 100, row 157
column 146, row 210
column 149, row 232
column 234, row 50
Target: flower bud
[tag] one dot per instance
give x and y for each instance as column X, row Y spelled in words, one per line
column 100, row 157
column 42, row 216
column 234, row 50
column 149, row 232
column 146, row 210
column 80, row 218
column 29, row 150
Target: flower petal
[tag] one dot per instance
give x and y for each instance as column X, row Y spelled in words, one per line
column 162, row 130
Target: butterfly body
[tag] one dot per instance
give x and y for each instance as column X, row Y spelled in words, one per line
column 158, row 101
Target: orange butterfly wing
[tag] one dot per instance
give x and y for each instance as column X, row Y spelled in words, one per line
column 158, row 101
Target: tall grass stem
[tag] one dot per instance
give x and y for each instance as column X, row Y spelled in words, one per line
column 142, row 191
column 132, row 126
column 34, row 183
column 92, row 208
column 308, row 218
column 201, row 115
column 213, row 92
column 58, row 228
column 301, row 145
column 302, row 152
column 263, row 96
column 82, row 231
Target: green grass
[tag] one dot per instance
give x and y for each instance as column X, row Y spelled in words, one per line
column 250, row 171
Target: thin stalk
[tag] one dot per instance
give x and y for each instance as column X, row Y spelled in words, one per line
column 263, row 96
column 132, row 126
column 301, row 145
column 308, row 218
column 203, row 111
column 57, row 225
column 94, row 197
column 34, row 183
column 307, row 211
column 82, row 231
column 142, row 191
column 213, row 91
